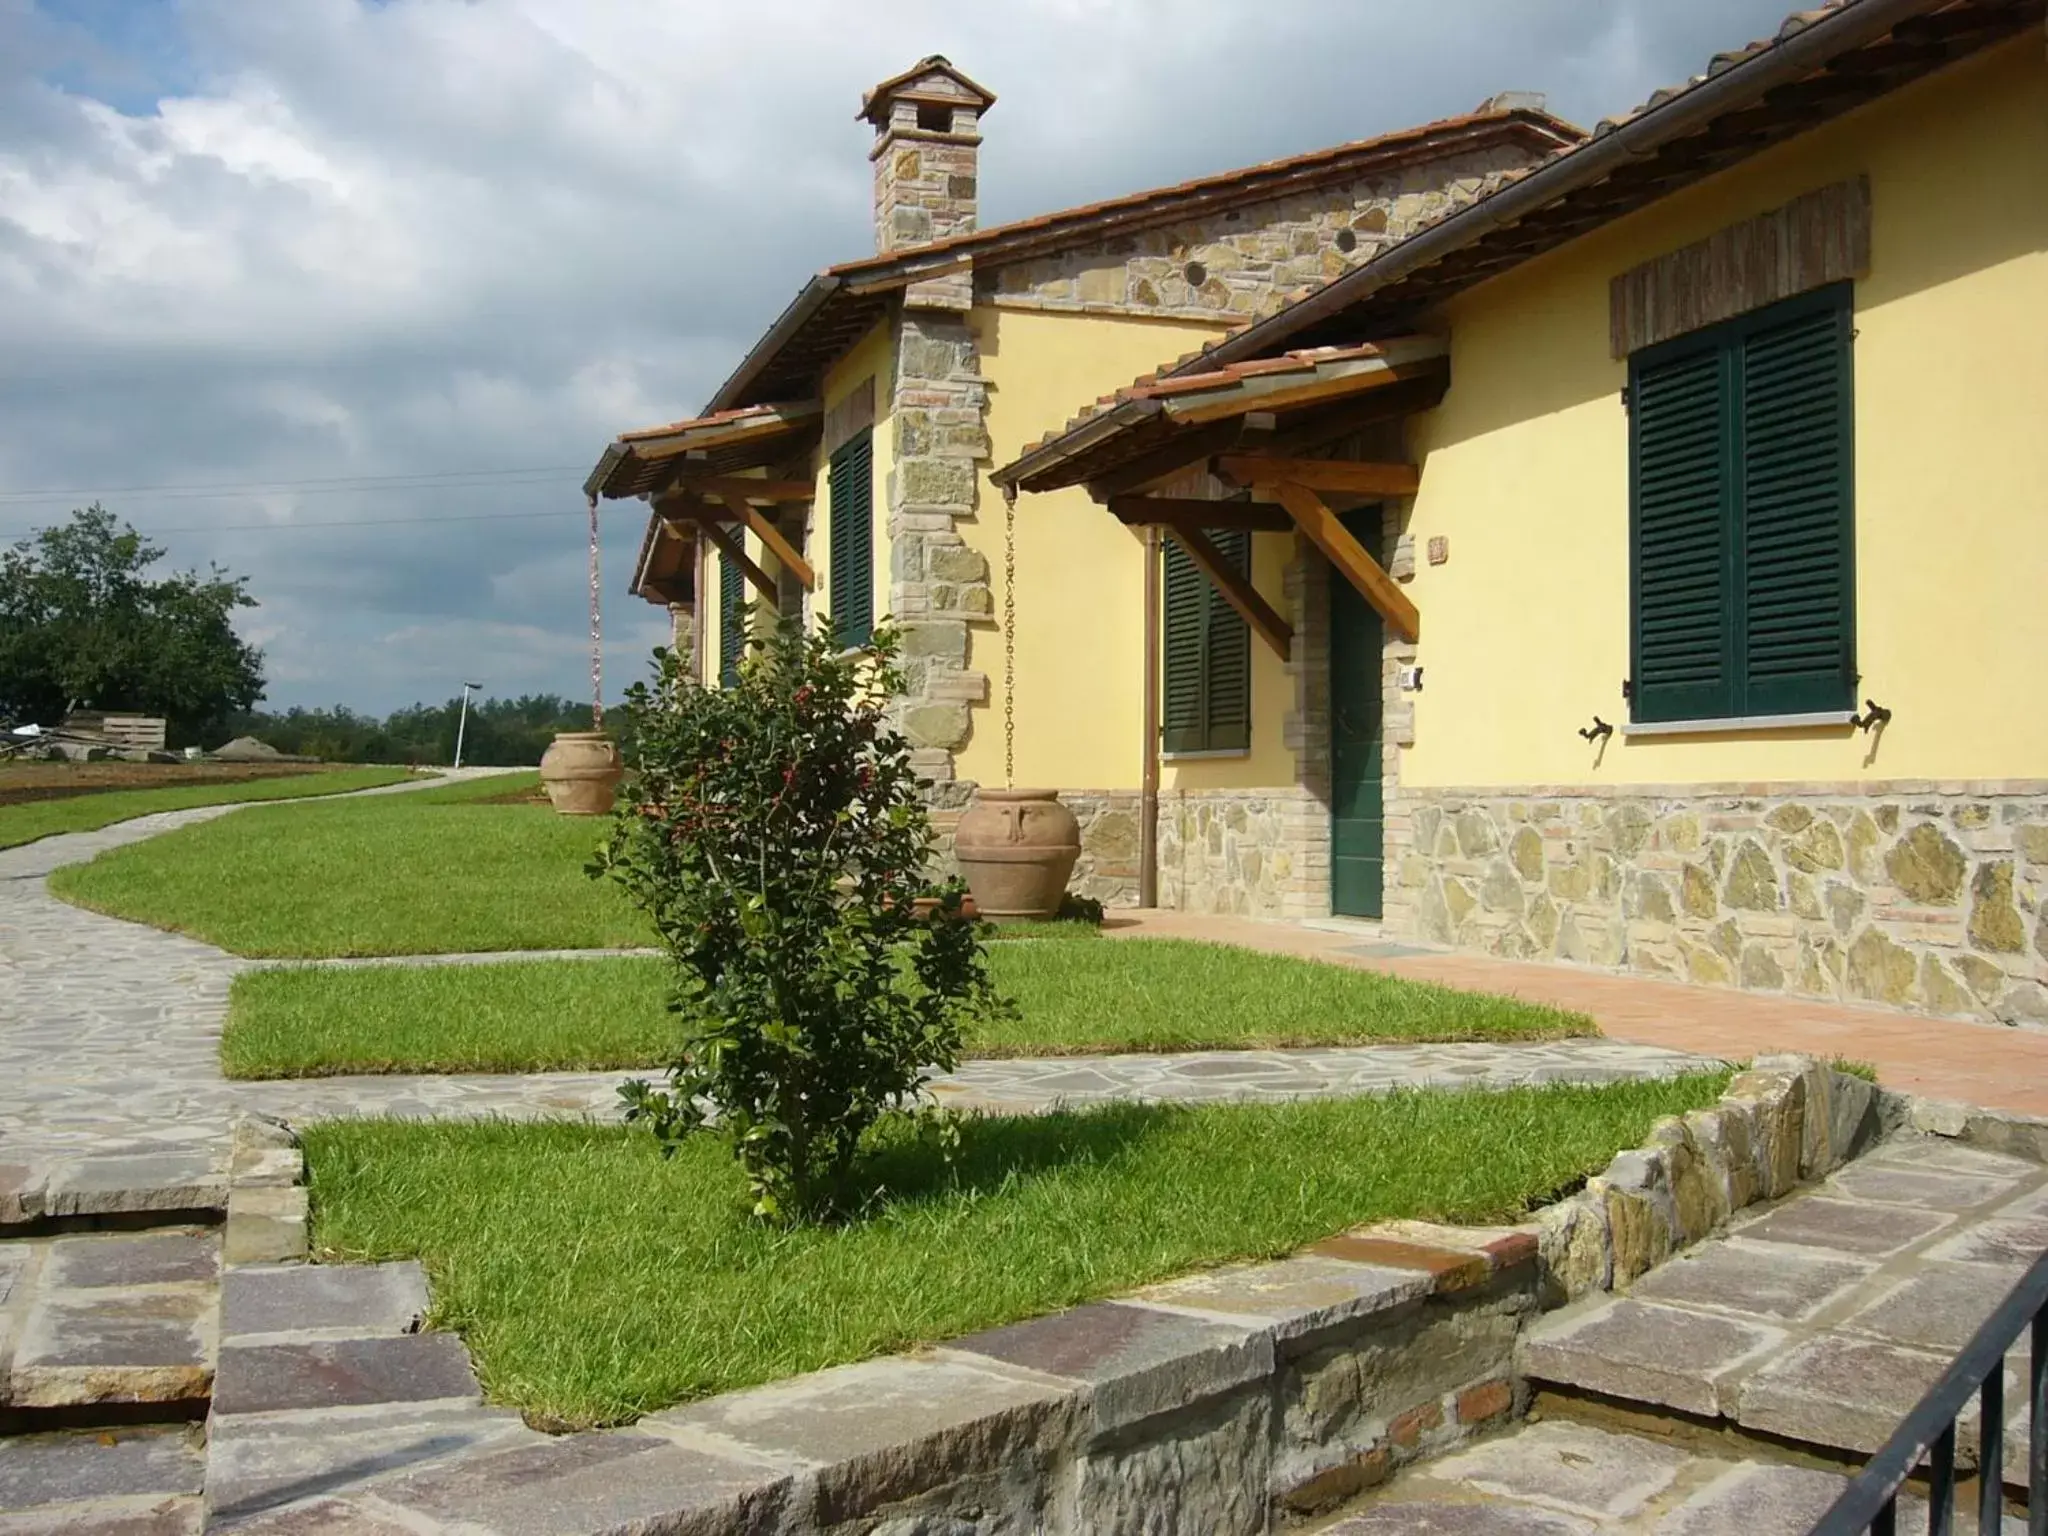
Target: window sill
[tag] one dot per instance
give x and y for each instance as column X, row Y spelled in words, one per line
column 1199, row 757
column 1739, row 723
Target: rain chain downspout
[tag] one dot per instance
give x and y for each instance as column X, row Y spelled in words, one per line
column 1148, row 792
column 1009, row 637
column 596, row 630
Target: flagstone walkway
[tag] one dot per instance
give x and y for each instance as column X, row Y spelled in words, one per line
column 1816, row 1323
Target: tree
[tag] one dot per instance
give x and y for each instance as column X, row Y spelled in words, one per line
column 85, row 625
column 778, row 837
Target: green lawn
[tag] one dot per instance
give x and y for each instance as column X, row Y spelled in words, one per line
column 431, row 872
column 1073, row 997
column 594, row 1282
column 33, row 819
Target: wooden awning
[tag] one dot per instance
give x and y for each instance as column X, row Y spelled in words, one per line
column 1152, row 429
column 1257, row 438
column 727, row 443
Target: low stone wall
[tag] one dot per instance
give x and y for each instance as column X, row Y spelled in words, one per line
column 1229, row 1401
column 1214, row 1403
column 1788, row 1120
column 1244, row 852
column 1914, row 894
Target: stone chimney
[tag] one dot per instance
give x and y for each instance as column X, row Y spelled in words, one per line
column 927, row 142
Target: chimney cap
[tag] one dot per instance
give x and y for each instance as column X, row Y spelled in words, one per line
column 1516, row 101
column 933, row 80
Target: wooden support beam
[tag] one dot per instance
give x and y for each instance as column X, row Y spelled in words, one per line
column 735, row 549
column 1237, row 589
column 725, row 487
column 1315, row 519
column 1313, row 430
column 1191, row 512
column 1322, row 474
column 770, row 535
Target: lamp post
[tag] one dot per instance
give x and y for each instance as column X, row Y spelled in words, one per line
column 462, row 722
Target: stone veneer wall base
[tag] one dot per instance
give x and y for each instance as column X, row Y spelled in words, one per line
column 1917, row 894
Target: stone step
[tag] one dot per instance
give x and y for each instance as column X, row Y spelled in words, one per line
column 141, row 1481
column 1561, row 1478
column 1824, row 1319
column 108, row 1327
column 327, row 1383
column 146, row 1187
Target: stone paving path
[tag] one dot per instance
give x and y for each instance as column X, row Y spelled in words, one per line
column 1818, row 1321
column 109, row 1030
column 109, row 1038
column 1561, row 1478
column 1825, row 1318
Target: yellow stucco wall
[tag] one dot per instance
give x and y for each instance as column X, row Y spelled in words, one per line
column 1080, row 573
column 1525, row 629
column 874, row 356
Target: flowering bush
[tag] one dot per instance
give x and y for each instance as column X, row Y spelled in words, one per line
column 775, row 833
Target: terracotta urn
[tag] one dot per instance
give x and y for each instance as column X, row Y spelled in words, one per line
column 1016, row 848
column 581, row 771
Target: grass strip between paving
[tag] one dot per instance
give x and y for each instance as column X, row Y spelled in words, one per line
column 1074, row 997
column 436, row 871
column 593, row 1281
column 33, row 819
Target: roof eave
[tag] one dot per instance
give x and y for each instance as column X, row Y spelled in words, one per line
column 793, row 319
column 1073, row 444
column 1856, row 23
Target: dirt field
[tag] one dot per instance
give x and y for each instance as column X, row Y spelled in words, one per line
column 23, row 782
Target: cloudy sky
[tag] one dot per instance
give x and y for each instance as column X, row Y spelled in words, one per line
column 349, row 294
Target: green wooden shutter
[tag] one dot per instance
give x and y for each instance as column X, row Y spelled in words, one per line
column 1227, row 689
column 1683, row 577
column 1205, row 680
column 851, row 509
column 1742, row 518
column 1798, row 612
column 1183, row 662
column 732, row 620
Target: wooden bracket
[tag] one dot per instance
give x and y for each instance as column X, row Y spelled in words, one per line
column 1315, row 519
column 735, row 549
column 1237, row 589
column 770, row 535
column 1322, row 474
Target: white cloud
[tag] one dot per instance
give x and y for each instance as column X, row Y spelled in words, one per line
column 353, row 239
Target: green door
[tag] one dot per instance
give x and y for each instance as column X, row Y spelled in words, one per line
column 1357, row 820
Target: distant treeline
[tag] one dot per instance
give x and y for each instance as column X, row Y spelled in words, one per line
column 501, row 732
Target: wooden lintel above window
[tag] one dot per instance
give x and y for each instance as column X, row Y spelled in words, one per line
column 1322, row 528
column 1818, row 238
column 1322, row 474
column 1236, row 589
column 735, row 549
column 1193, row 512
column 768, row 491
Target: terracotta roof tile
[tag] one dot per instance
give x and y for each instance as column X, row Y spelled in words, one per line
column 1721, row 62
column 1153, row 386
column 715, row 419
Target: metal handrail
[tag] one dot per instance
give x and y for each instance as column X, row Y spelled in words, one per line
column 1870, row 1502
